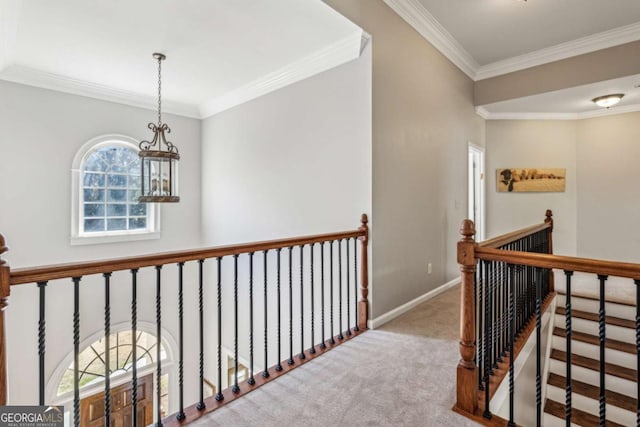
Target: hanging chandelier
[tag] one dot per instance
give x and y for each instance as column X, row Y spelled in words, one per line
column 159, row 167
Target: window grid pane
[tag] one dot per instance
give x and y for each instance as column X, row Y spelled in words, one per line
column 111, row 180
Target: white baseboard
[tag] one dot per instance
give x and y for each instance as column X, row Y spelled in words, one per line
column 390, row 315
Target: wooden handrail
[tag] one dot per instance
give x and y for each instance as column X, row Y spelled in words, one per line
column 62, row 271
column 575, row 264
column 504, row 239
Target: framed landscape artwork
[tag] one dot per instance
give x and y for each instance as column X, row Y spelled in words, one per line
column 515, row 180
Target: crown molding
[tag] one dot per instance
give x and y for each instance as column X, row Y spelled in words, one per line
column 416, row 15
column 603, row 40
column 482, row 112
column 487, row 115
column 32, row 77
column 326, row 58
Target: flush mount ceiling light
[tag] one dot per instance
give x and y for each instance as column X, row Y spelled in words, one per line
column 159, row 167
column 607, row 101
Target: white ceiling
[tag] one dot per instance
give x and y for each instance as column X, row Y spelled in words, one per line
column 225, row 52
column 219, row 53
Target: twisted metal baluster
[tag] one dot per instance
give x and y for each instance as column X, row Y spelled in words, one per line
column 235, row 388
column 180, row 415
column 302, row 355
column 602, row 338
column 487, row 343
column 134, row 345
column 201, row 405
column 512, row 338
column 265, row 373
column 107, row 348
column 251, row 380
column 279, row 365
column 158, row 346
column 480, row 310
column 332, row 339
column 290, row 361
column 323, row 344
column 568, row 333
column 348, row 331
column 41, row 341
column 538, row 287
column 340, row 290
column 76, row 351
column 219, row 395
column 355, row 284
column 312, row 349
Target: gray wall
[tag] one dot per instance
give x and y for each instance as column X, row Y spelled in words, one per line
column 423, row 118
column 532, row 144
column 41, row 132
column 609, row 194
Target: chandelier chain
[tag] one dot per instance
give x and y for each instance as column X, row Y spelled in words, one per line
column 159, row 92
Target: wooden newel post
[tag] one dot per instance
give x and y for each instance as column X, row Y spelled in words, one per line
column 4, row 297
column 549, row 220
column 467, row 374
column 363, row 304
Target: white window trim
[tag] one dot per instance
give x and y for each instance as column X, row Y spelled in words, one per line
column 79, row 238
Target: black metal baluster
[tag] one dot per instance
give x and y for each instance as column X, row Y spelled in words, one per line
column 158, row 345
column 41, row 340
column 302, row 355
column 487, row 343
column 134, row 346
column 219, row 395
column 323, row 345
column 201, row 405
column 348, row 331
column 494, row 317
column 290, row 361
column 355, row 284
column 180, row 415
column 637, row 283
column 481, row 336
column 538, row 344
column 107, row 349
column 279, row 365
column 332, row 339
column 251, row 380
column 312, row 349
column 602, row 338
column 76, row 351
column 265, row 373
column 236, row 387
column 340, row 290
column 568, row 333
column 512, row 338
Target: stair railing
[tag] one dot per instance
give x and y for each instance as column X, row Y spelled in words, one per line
column 328, row 268
column 507, row 283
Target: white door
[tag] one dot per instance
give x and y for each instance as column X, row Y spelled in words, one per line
column 476, row 189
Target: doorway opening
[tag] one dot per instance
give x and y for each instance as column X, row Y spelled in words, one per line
column 476, row 204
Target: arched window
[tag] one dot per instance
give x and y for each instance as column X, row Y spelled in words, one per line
column 92, row 361
column 106, row 190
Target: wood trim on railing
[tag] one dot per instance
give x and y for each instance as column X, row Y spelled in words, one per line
column 63, row 271
column 363, row 304
column 467, row 371
column 586, row 265
column 498, row 241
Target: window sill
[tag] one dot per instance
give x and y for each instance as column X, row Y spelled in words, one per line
column 113, row 238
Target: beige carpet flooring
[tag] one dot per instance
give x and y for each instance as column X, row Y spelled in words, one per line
column 402, row 374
